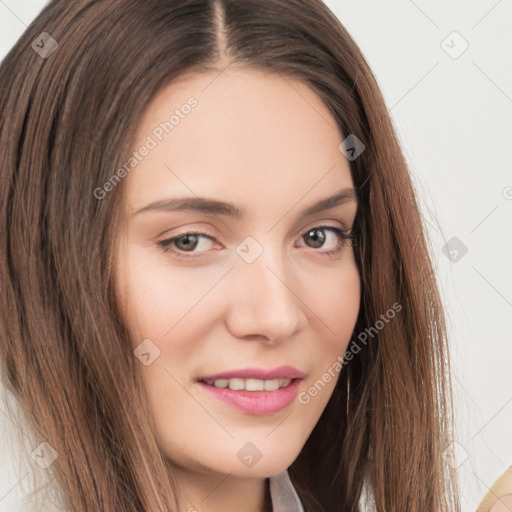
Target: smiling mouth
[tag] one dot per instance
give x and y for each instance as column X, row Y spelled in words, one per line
column 253, row 396
column 238, row 384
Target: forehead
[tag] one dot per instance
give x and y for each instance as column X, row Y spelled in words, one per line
column 250, row 135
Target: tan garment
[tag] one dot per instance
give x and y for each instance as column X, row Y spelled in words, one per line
column 499, row 497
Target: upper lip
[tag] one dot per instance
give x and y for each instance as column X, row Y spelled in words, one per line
column 281, row 372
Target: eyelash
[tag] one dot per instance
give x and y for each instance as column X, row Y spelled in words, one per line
column 344, row 237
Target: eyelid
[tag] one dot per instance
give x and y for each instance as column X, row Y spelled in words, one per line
column 188, row 228
column 322, row 223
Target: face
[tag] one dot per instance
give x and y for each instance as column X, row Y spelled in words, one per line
column 262, row 291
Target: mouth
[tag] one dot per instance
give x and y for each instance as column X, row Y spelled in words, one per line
column 255, row 374
column 254, row 391
column 238, row 384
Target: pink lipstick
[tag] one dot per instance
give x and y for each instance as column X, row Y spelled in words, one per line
column 253, row 390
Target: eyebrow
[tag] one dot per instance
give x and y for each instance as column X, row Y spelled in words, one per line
column 213, row 207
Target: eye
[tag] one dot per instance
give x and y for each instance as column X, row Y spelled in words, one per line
column 339, row 238
column 186, row 242
column 317, row 236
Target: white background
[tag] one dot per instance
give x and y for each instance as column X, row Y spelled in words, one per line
column 454, row 119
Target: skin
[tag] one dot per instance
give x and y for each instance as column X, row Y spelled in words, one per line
column 269, row 146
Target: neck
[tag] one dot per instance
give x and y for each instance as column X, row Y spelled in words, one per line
column 215, row 492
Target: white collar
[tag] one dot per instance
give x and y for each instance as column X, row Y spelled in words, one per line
column 285, row 499
column 283, row 494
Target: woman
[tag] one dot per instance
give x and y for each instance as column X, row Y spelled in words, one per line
column 216, row 289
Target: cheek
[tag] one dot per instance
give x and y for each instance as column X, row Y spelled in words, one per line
column 335, row 301
column 335, row 304
column 162, row 299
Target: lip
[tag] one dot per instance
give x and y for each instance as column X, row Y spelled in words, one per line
column 281, row 372
column 257, row 403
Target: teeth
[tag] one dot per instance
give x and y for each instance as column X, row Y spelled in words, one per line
column 254, row 385
column 221, row 383
column 235, row 384
column 250, row 384
column 272, row 385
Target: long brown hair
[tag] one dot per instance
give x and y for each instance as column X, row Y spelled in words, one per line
column 67, row 123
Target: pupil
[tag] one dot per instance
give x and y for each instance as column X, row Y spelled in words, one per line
column 318, row 240
column 188, row 244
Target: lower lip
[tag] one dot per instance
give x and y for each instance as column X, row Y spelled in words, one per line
column 257, row 402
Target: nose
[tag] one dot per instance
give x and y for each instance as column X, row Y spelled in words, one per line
column 263, row 302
